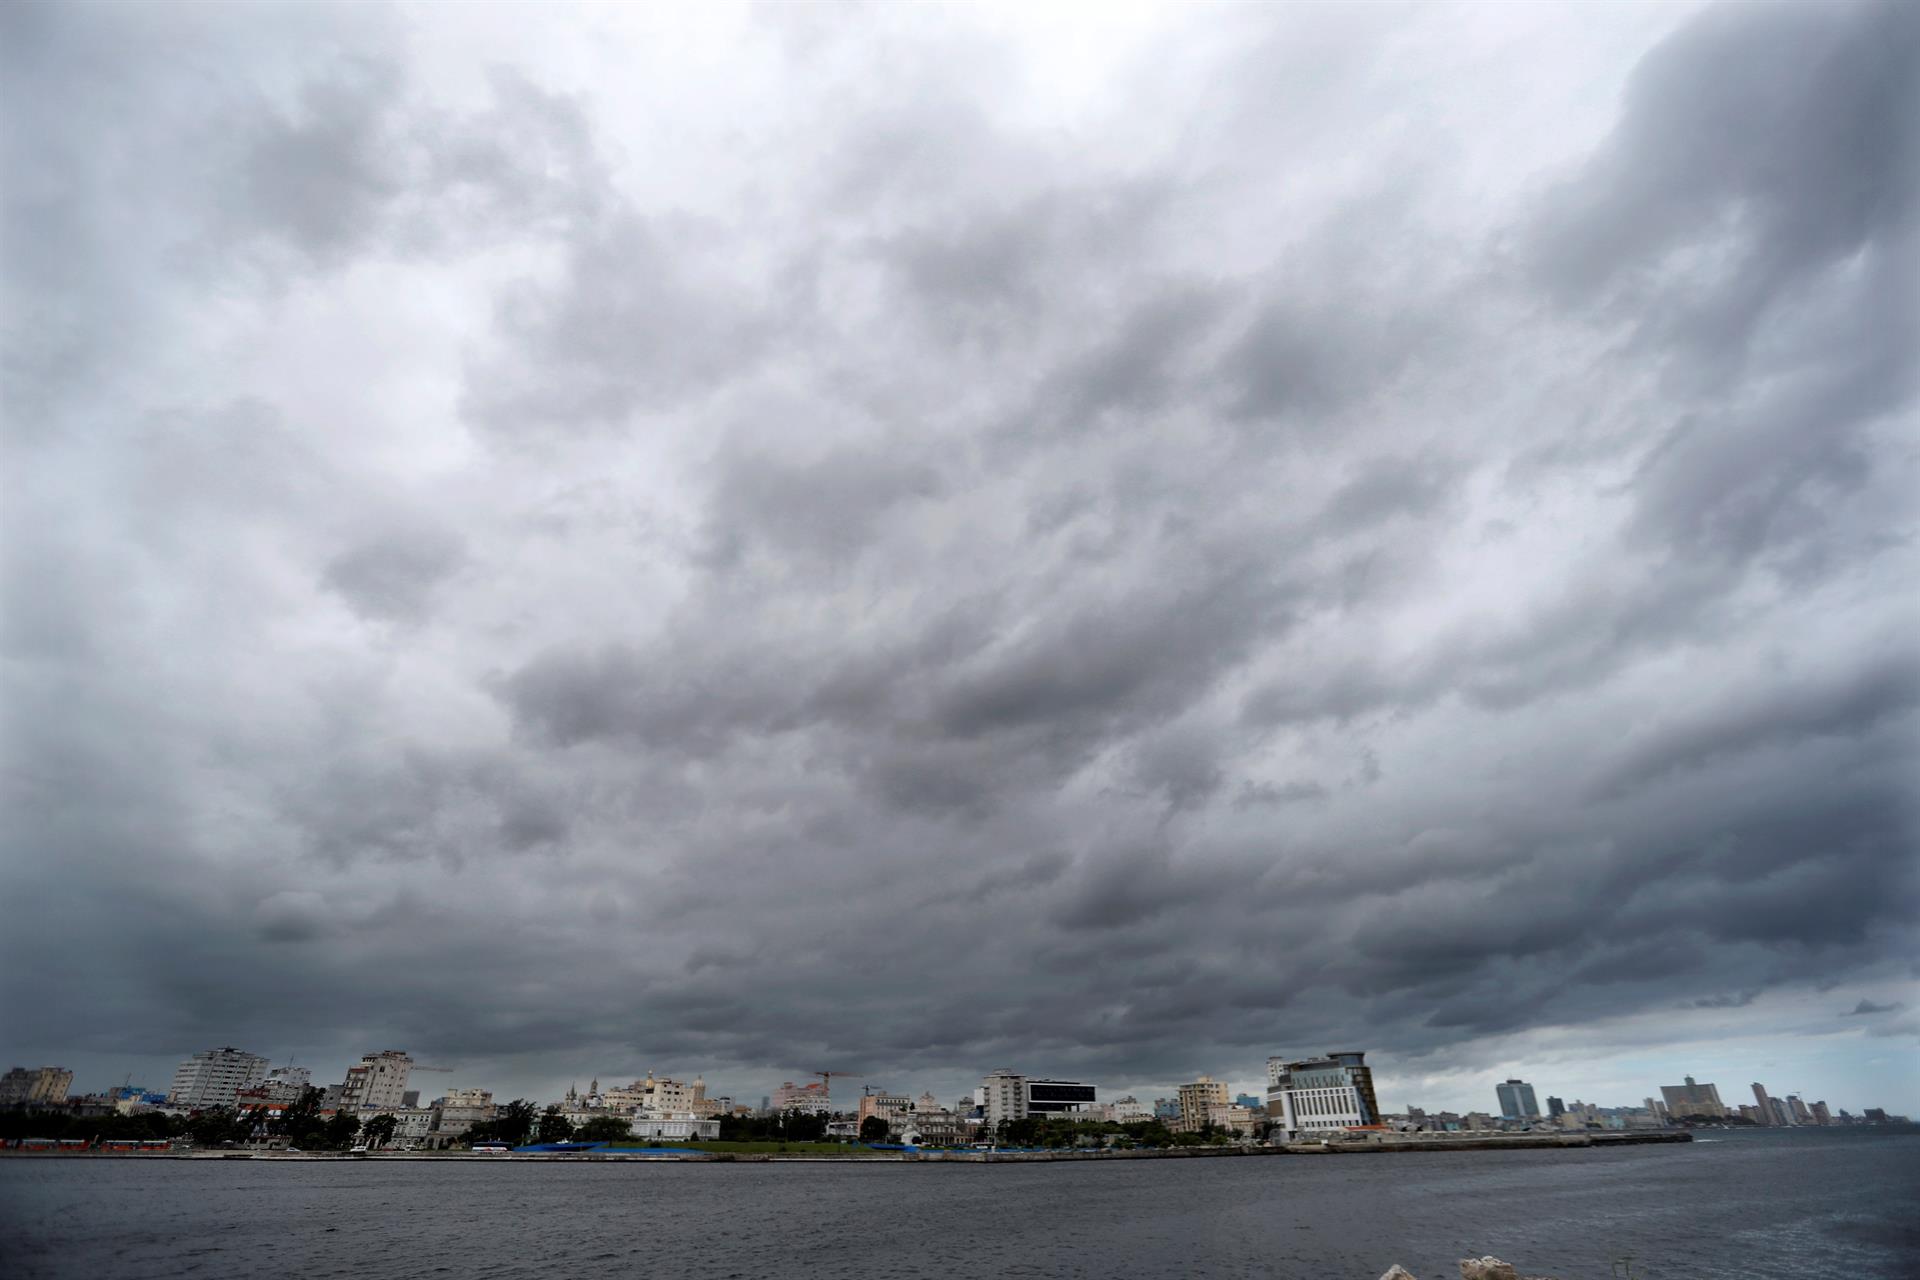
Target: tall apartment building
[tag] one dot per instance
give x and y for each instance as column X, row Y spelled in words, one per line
column 1821, row 1115
column 41, row 1085
column 212, row 1077
column 1517, row 1100
column 1690, row 1099
column 1763, row 1105
column 1799, row 1109
column 1003, row 1096
column 377, row 1083
column 1318, row 1094
column 1197, row 1101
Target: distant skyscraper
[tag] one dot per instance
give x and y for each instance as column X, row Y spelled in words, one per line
column 1800, row 1113
column 1821, row 1115
column 1555, row 1107
column 1517, row 1100
column 1762, row 1103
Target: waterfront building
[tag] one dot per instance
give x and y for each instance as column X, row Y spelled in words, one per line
column 1517, row 1100
column 282, row 1085
column 36, row 1087
column 1762, row 1103
column 1129, row 1110
column 1316, row 1094
column 810, row 1098
column 412, row 1125
column 1250, row 1102
column 1699, row 1101
column 1799, row 1109
column 460, row 1110
column 1008, row 1095
column 893, row 1109
column 662, row 1094
column 214, row 1077
column 1197, row 1101
column 378, row 1082
column 1166, row 1110
column 1821, row 1115
column 1231, row 1117
column 1058, row 1097
column 1555, row 1107
column 683, row 1127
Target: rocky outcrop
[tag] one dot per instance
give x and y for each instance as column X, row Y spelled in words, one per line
column 1398, row 1272
column 1487, row 1268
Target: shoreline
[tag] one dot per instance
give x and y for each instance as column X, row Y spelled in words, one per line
column 1503, row 1142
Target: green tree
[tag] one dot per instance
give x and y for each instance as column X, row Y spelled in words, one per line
column 553, row 1127
column 378, row 1132
column 339, row 1132
column 513, row 1122
column 873, row 1129
column 604, row 1129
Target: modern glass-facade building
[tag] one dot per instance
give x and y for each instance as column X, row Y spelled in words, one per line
column 1517, row 1100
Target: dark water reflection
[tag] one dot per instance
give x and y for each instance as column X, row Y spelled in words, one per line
column 1794, row 1204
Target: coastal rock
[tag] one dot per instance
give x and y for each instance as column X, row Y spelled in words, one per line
column 1487, row 1268
column 1398, row 1272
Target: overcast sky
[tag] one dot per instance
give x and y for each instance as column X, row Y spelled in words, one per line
column 1114, row 542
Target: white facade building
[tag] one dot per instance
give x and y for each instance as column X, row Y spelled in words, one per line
column 212, row 1077
column 1317, row 1096
column 378, row 1083
column 675, row 1128
column 1003, row 1096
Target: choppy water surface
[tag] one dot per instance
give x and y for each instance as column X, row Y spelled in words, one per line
column 1761, row 1205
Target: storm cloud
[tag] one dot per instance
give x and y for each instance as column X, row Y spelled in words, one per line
column 907, row 542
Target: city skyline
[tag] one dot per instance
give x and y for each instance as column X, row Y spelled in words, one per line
column 765, row 538
column 1396, row 1094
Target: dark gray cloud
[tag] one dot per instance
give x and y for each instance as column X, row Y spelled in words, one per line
column 1867, row 1007
column 925, row 552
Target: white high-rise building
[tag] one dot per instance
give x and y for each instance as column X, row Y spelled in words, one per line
column 212, row 1077
column 1003, row 1096
column 378, row 1083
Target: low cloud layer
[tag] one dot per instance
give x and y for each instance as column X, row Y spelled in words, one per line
column 909, row 542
